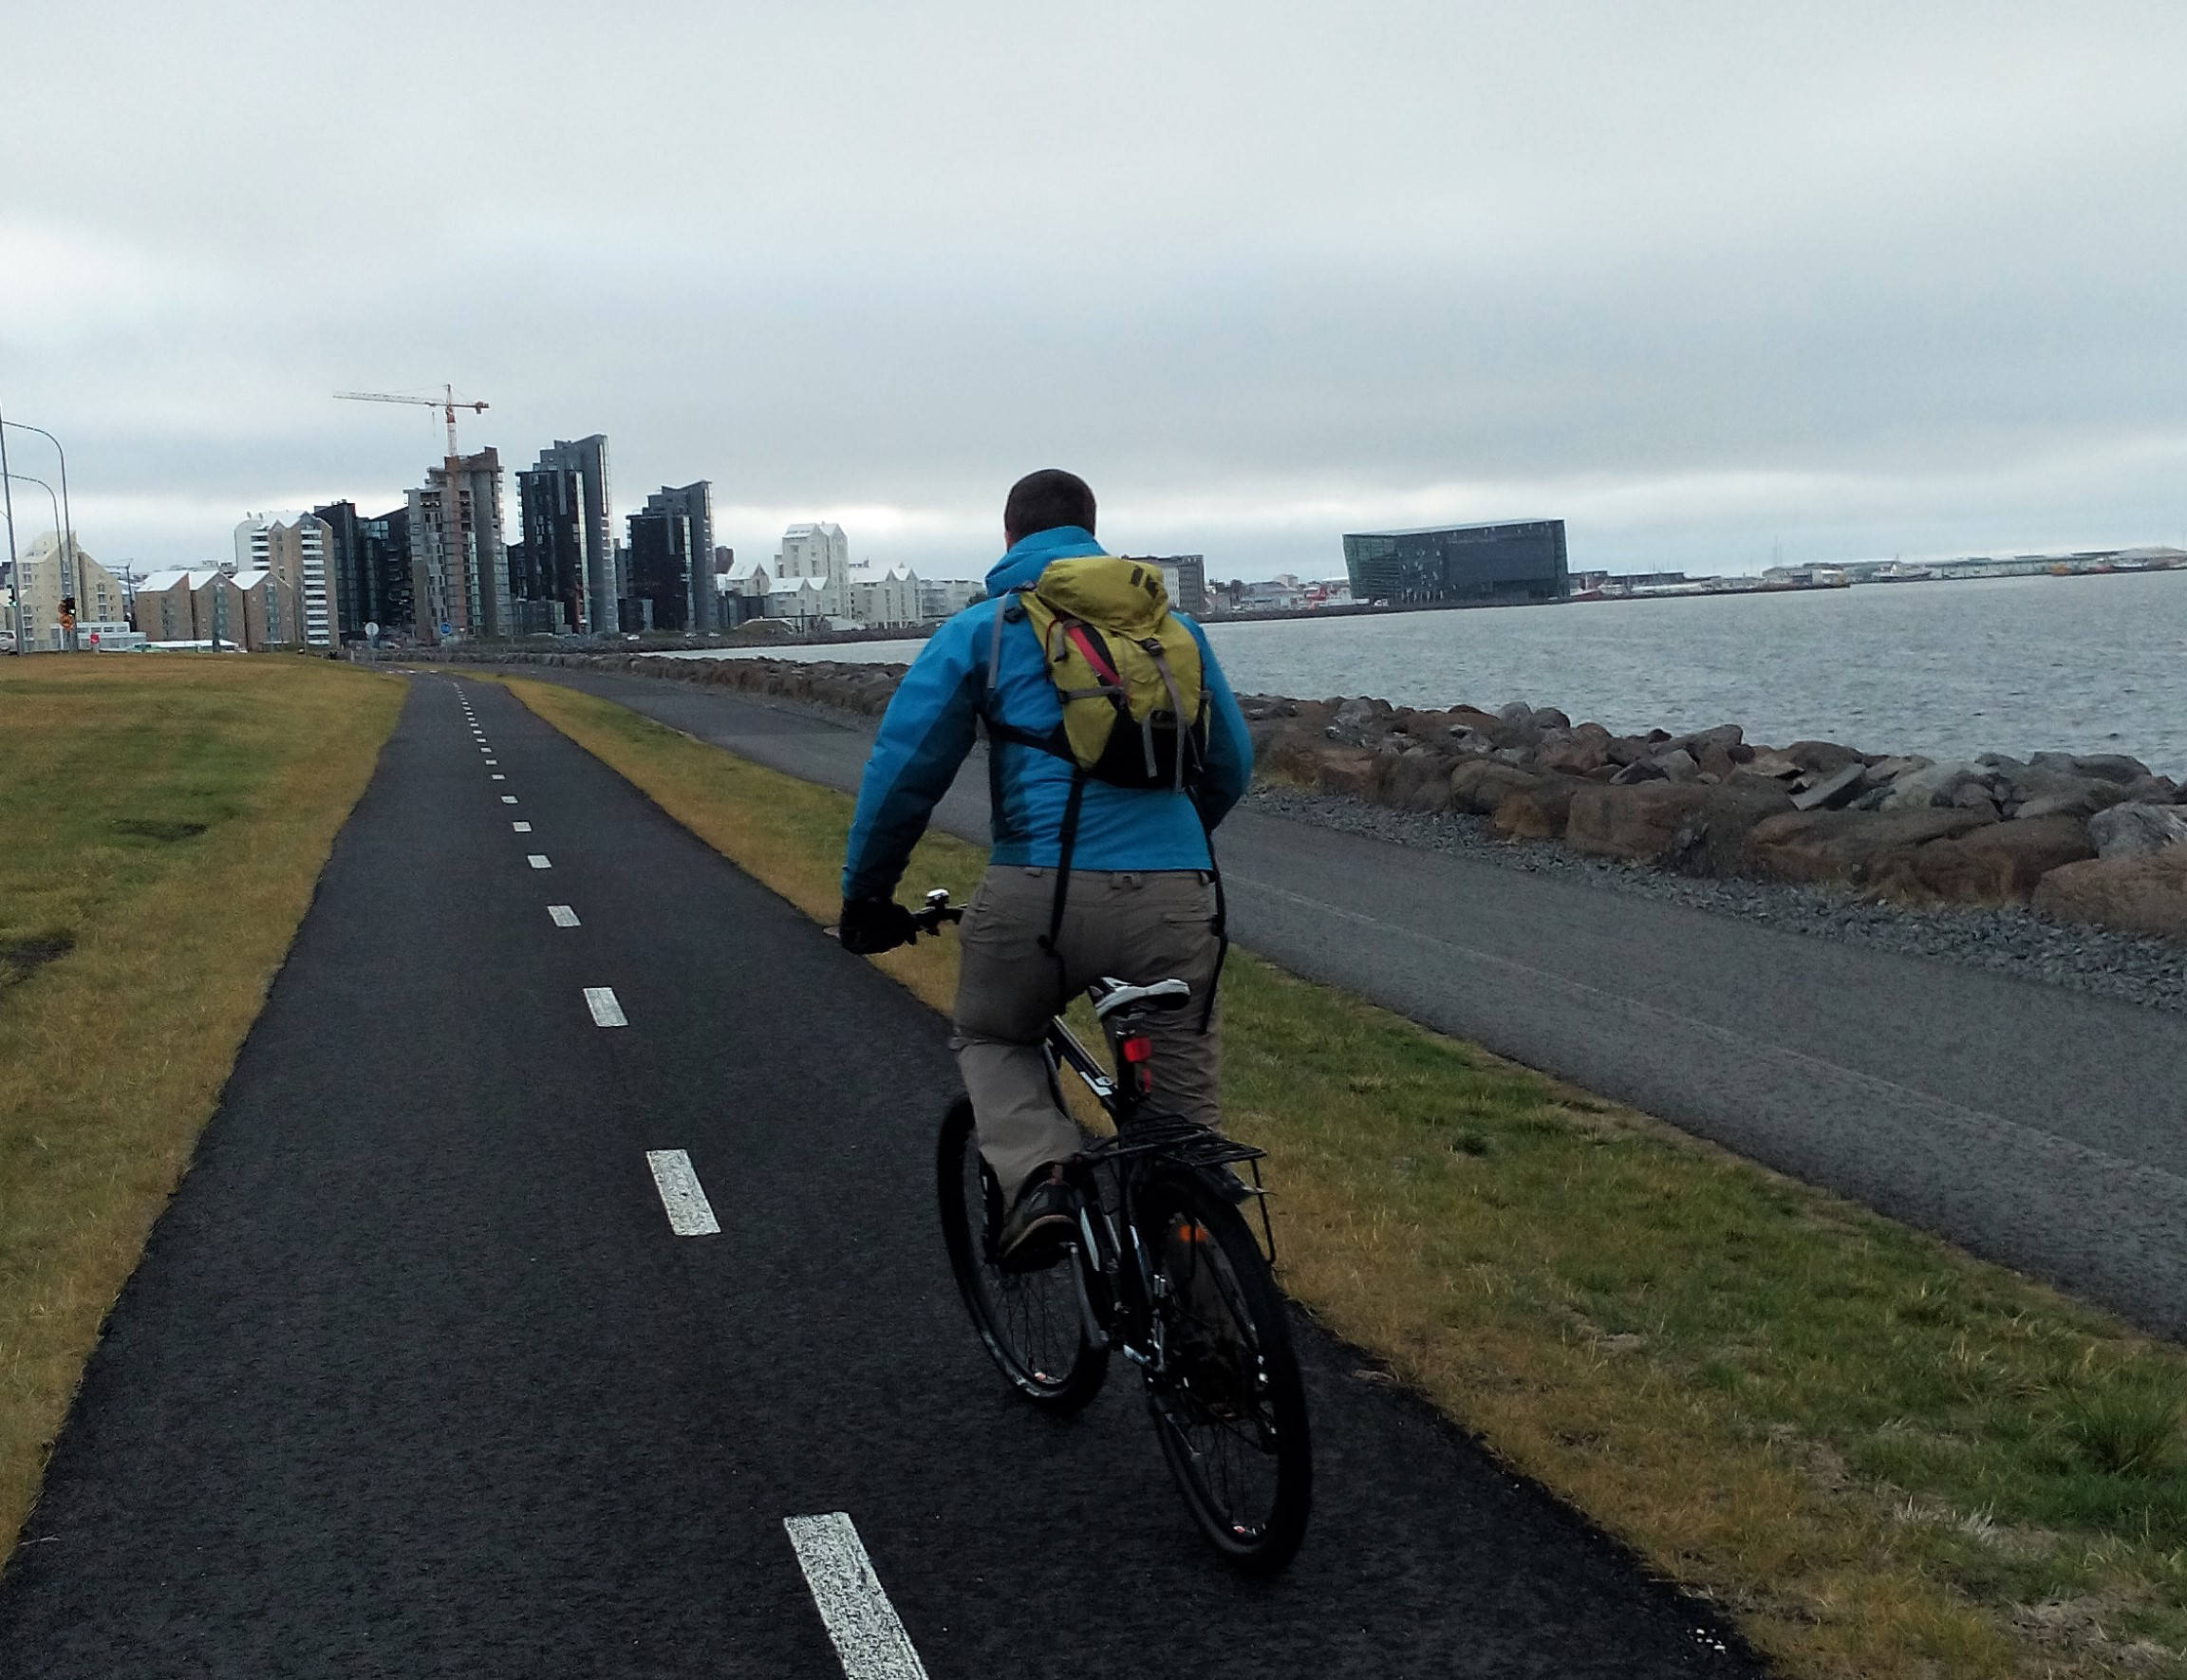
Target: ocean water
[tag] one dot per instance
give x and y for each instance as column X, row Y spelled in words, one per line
column 2083, row 664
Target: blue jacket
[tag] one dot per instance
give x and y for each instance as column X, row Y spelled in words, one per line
column 930, row 724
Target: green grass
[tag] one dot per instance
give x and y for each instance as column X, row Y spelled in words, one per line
column 162, row 821
column 1885, row 1457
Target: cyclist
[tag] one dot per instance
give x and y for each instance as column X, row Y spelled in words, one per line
column 1138, row 901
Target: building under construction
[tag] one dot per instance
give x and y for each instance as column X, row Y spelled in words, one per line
column 459, row 554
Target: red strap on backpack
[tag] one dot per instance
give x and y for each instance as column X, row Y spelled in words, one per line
column 1082, row 640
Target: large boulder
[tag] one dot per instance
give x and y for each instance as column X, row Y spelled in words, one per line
column 1540, row 812
column 1353, row 772
column 1999, row 863
column 1823, row 755
column 2136, row 831
column 2146, row 894
column 1359, row 721
column 1580, row 751
column 1419, row 771
column 2109, row 767
column 1712, row 839
column 1933, row 784
column 1829, row 792
column 1480, row 785
column 1849, row 845
column 1639, row 821
column 2083, row 800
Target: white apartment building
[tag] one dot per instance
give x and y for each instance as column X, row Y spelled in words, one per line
column 821, row 552
column 807, row 602
column 884, row 597
column 940, row 598
column 297, row 549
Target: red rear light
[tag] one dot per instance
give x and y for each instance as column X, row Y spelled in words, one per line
column 1137, row 1049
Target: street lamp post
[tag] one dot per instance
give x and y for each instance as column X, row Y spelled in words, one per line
column 14, row 566
column 25, row 478
column 75, row 572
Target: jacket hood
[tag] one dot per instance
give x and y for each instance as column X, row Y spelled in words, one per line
column 1028, row 556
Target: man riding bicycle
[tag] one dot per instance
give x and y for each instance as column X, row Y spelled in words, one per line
column 1095, row 871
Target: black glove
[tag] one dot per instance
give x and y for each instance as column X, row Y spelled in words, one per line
column 872, row 925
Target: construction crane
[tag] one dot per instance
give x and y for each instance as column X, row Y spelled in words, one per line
column 447, row 403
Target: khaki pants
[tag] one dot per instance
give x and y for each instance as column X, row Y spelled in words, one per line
column 1122, row 925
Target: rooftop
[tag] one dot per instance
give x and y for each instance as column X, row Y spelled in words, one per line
column 1431, row 530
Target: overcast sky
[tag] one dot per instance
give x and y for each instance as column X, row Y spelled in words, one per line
column 1701, row 279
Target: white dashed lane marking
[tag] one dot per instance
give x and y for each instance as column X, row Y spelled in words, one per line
column 508, row 798
column 868, row 1638
column 564, row 916
column 499, row 777
column 520, row 828
column 690, row 1213
column 538, row 860
column 605, row 1011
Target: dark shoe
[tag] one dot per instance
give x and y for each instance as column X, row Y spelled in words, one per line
column 1040, row 1225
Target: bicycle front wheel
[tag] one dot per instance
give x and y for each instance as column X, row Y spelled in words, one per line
column 1031, row 1322
column 1228, row 1407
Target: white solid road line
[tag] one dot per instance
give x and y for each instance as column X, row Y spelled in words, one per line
column 690, row 1213
column 605, row 1011
column 869, row 1639
column 564, row 916
column 538, row 860
column 520, row 828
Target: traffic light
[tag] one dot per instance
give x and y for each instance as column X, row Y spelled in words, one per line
column 68, row 612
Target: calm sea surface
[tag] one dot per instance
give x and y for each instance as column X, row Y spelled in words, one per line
column 1951, row 669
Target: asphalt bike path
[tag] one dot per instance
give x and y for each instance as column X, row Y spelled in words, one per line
column 2039, row 1126
column 422, row 1375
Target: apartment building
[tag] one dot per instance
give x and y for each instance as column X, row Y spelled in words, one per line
column 46, row 574
column 297, row 553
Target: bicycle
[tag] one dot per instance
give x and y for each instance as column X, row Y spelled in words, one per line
column 1165, row 1270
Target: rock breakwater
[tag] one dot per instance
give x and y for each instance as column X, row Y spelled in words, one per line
column 2093, row 838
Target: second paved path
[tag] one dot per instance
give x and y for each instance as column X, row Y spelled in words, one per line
column 2037, row 1125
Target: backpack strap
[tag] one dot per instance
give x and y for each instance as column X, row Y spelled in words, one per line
column 1066, row 843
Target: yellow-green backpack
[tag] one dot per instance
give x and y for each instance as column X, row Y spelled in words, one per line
column 1126, row 670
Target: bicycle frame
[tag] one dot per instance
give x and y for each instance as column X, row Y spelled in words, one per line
column 1112, row 1251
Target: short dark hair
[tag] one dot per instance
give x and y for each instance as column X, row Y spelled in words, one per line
column 1042, row 501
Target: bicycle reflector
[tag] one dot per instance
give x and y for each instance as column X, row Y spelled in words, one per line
column 1138, row 1051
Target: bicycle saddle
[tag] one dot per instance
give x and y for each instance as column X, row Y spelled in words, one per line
column 1112, row 995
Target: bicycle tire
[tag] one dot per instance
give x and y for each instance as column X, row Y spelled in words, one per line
column 1030, row 1322
column 1228, row 1407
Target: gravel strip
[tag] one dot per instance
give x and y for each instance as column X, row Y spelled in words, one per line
column 2125, row 966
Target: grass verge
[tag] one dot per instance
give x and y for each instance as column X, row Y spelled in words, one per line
column 1884, row 1456
column 162, row 821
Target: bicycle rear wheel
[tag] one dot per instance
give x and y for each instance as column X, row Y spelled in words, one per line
column 1228, row 1407
column 1030, row 1322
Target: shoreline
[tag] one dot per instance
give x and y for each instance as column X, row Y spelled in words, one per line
column 2090, row 839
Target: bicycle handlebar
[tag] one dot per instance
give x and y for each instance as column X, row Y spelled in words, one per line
column 937, row 909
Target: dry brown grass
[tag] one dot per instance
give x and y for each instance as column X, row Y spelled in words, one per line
column 114, row 1052
column 1885, row 1458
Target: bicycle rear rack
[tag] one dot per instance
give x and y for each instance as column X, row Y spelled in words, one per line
column 1183, row 1141
column 1193, row 1145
